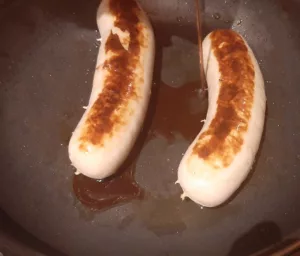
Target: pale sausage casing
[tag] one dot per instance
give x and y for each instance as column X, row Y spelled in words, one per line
column 221, row 156
column 121, row 90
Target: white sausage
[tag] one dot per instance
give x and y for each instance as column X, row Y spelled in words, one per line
column 121, row 90
column 221, row 156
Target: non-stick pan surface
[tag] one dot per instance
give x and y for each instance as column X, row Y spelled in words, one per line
column 47, row 57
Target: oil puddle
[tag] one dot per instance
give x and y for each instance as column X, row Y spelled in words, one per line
column 174, row 110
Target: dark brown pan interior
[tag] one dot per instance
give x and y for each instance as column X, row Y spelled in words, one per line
column 47, row 58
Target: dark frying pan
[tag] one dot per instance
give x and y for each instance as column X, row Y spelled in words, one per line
column 47, row 57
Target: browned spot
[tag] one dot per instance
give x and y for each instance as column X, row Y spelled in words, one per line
column 120, row 85
column 225, row 135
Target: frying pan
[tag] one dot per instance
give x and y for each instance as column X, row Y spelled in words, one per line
column 47, row 57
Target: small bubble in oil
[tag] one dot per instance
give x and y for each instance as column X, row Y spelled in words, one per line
column 216, row 16
column 179, row 19
column 239, row 22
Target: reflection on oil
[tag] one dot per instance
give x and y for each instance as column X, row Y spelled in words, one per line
column 258, row 238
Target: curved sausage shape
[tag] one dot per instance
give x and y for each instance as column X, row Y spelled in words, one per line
column 121, row 90
column 221, row 156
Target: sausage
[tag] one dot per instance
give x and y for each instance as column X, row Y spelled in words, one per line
column 121, row 89
column 221, row 156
